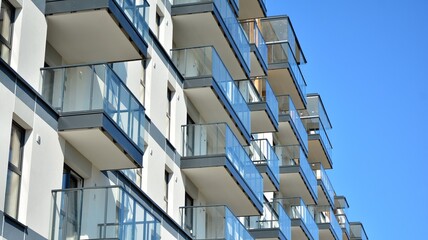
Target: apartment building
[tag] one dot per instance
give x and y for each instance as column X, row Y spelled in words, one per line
column 150, row 119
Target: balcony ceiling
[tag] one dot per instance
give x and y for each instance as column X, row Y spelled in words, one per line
column 202, row 29
column 98, row 148
column 293, row 185
column 89, row 36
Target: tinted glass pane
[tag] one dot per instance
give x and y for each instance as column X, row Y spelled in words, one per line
column 12, row 194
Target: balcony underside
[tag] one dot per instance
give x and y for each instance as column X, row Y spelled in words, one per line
column 345, row 236
column 322, row 196
column 267, row 234
column 258, row 67
column 282, row 83
column 220, row 183
column 93, row 32
column 317, row 153
column 287, row 133
column 99, row 139
column 270, row 184
column 326, row 232
column 251, row 9
column 212, row 105
column 262, row 119
column 299, row 230
column 201, row 25
column 293, row 184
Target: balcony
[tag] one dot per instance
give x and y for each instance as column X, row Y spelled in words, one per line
column 212, row 222
column 97, row 111
column 213, row 22
column 212, row 90
column 344, row 224
column 262, row 103
column 252, row 9
column 273, row 224
column 303, row 226
column 329, row 228
column 284, row 57
column 291, row 128
column 259, row 51
column 98, row 31
column 266, row 162
column 357, row 231
column 101, row 213
column 341, row 204
column 297, row 177
column 325, row 188
column 317, row 124
column 212, row 156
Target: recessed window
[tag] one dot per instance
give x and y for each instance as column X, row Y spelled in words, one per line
column 169, row 95
column 159, row 18
column 167, row 178
column 188, row 212
column 7, row 12
column 14, row 173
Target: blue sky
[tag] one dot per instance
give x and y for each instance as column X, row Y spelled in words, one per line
column 369, row 61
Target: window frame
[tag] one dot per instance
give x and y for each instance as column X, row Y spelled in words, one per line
column 15, row 169
column 3, row 40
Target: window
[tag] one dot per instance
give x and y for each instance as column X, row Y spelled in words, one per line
column 7, row 13
column 190, row 137
column 14, row 173
column 70, row 215
column 159, row 18
column 70, row 179
column 143, row 83
column 170, row 95
column 188, row 213
column 167, row 179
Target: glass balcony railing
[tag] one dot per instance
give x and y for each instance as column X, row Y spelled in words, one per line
column 297, row 209
column 232, row 25
column 321, row 174
column 101, row 213
column 255, row 36
column 203, row 62
column 315, row 108
column 293, row 155
column 279, row 29
column 212, row 222
column 280, row 52
column 344, row 223
column 286, row 107
column 259, row 90
column 357, row 231
column 137, row 12
column 261, row 152
column 273, row 217
column 324, row 214
column 94, row 88
column 314, row 126
column 214, row 139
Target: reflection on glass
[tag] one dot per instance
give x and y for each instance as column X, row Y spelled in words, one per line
column 101, row 213
column 92, row 88
column 293, row 155
column 297, row 209
column 261, row 152
column 232, row 25
column 214, row 222
column 287, row 107
column 202, row 62
column 259, row 90
column 212, row 139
